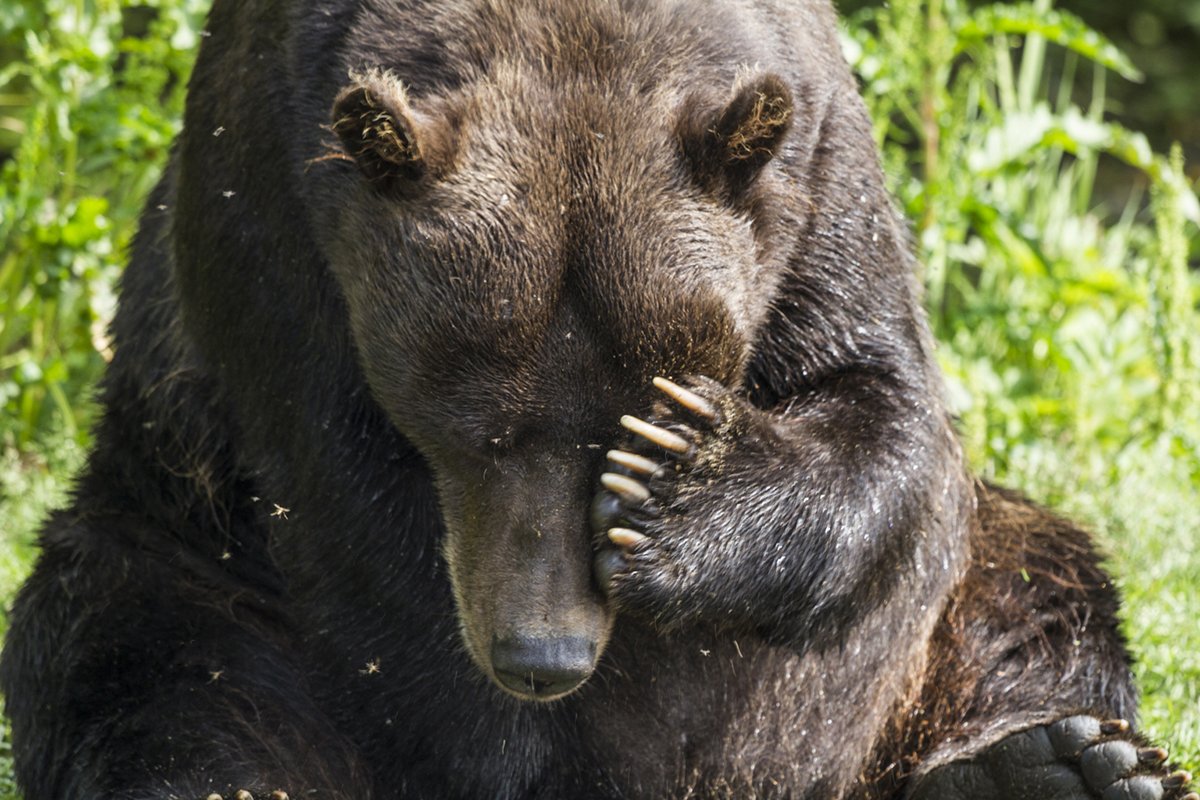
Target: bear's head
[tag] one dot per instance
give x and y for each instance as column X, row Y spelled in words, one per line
column 519, row 260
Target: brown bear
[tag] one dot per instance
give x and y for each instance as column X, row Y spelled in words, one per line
column 532, row 399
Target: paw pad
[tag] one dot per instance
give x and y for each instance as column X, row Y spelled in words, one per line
column 1075, row 758
column 1106, row 763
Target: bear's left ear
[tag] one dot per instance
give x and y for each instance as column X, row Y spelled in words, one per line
column 738, row 140
column 391, row 142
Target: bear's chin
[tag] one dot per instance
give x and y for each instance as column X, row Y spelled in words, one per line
column 537, row 699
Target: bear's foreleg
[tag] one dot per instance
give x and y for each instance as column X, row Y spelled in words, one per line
column 791, row 524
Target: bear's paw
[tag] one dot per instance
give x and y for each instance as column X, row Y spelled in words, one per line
column 1075, row 758
column 660, row 517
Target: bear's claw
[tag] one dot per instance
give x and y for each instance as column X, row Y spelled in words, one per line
column 636, row 464
column 630, row 491
column 1152, row 756
column 656, row 435
column 688, row 399
column 1177, row 780
column 626, row 538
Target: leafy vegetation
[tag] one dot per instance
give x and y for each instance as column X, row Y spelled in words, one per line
column 1067, row 316
column 89, row 102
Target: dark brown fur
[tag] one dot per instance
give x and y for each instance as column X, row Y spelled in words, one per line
column 1031, row 626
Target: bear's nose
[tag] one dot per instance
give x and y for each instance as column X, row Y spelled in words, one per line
column 542, row 668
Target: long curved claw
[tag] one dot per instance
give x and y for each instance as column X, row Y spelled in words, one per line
column 687, row 398
column 655, row 435
column 626, row 538
column 632, row 492
column 633, row 462
column 1152, row 756
column 1177, row 780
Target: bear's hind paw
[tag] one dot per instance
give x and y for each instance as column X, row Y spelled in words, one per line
column 1075, row 758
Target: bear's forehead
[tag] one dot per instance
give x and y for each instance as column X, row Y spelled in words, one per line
column 601, row 228
column 567, row 139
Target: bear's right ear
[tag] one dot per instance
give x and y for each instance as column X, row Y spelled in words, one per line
column 731, row 144
column 390, row 142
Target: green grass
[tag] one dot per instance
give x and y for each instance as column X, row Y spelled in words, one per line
column 1144, row 507
column 1068, row 318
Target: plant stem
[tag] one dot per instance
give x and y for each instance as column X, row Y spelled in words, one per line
column 931, row 108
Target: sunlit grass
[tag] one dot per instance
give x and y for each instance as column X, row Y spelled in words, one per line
column 1145, row 509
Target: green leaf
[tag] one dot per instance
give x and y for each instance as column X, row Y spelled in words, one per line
column 1060, row 27
column 1022, row 135
column 86, row 223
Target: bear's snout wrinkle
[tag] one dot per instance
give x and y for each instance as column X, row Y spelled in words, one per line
column 543, row 667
